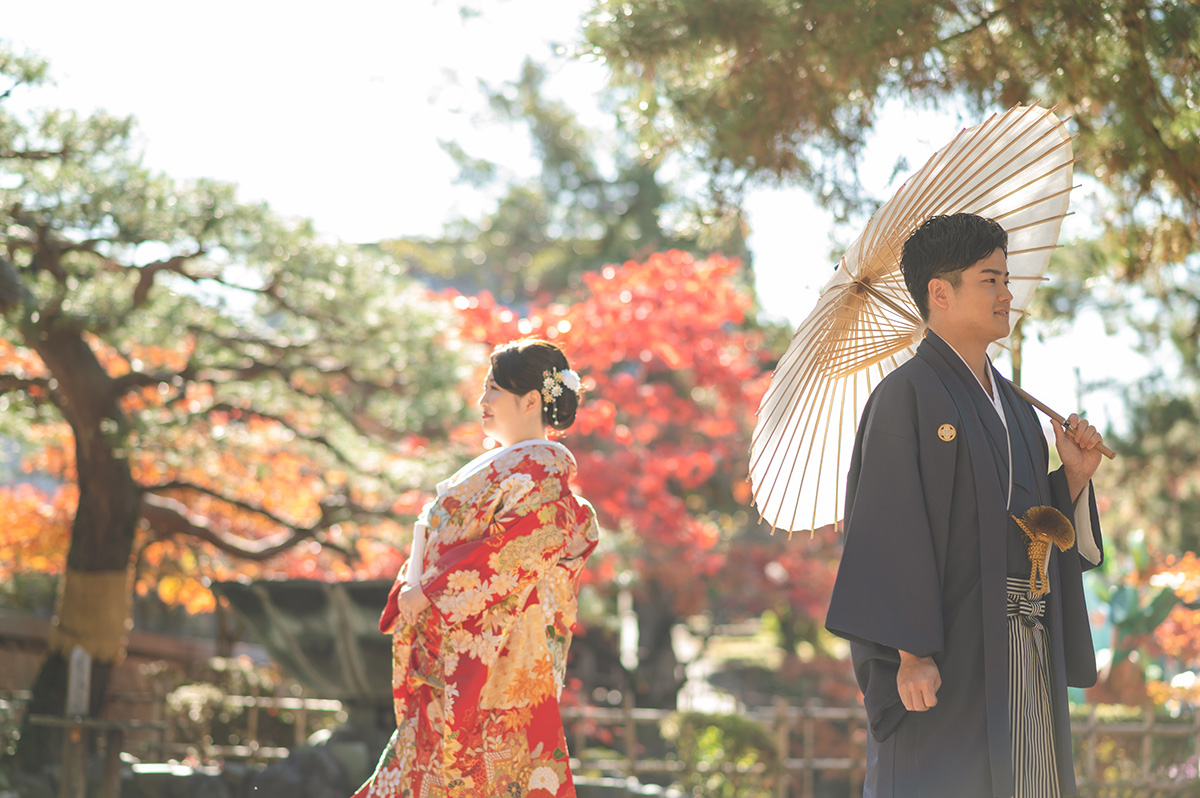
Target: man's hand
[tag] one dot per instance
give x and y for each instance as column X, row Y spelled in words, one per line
column 1076, row 447
column 411, row 602
column 918, row 681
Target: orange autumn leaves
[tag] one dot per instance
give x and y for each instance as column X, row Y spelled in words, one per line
column 177, row 436
column 1179, row 635
column 34, row 529
column 35, row 523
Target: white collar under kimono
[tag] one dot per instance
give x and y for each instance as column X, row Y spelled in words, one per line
column 421, row 527
column 1084, row 536
column 997, row 403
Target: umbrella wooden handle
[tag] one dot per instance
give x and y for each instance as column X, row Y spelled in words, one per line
column 1104, row 450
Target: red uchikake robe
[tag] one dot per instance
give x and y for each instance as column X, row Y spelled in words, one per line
column 476, row 680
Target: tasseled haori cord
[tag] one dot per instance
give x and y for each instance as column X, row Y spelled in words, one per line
column 1044, row 525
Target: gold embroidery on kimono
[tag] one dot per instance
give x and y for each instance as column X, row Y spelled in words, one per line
column 476, row 680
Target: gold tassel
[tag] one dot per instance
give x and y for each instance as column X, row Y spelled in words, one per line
column 1044, row 525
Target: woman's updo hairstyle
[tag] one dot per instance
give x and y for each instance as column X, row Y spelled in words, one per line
column 523, row 366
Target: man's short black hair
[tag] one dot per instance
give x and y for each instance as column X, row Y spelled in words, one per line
column 944, row 246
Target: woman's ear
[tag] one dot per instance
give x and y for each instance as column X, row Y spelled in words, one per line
column 531, row 401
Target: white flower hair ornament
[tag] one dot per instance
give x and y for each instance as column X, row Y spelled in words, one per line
column 553, row 381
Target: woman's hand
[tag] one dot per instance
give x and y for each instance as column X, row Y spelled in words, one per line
column 411, row 602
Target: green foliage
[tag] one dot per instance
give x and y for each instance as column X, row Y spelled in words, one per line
column 211, row 383
column 165, row 318
column 756, row 88
column 28, row 592
column 781, row 89
column 19, row 69
column 1134, row 612
column 723, row 755
column 1155, row 480
column 597, row 200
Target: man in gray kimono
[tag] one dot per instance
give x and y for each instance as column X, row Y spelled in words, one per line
column 962, row 648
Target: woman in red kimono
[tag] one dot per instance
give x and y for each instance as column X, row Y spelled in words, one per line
column 481, row 614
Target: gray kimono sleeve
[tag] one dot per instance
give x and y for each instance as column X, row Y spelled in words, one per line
column 887, row 596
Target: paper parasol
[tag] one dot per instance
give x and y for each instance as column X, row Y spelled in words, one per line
column 1014, row 168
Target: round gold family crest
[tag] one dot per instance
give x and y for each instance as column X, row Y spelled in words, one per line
column 947, row 432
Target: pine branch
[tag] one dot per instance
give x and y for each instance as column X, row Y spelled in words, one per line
column 220, row 374
column 132, row 380
column 150, row 271
column 285, row 373
column 313, row 438
column 10, row 383
column 179, row 484
column 172, row 517
column 334, row 509
column 30, row 155
column 245, row 339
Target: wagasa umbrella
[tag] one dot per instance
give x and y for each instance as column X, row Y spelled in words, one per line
column 1016, row 168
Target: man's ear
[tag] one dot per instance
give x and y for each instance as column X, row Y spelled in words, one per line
column 939, row 293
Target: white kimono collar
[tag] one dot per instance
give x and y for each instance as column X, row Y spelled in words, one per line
column 997, row 403
column 484, row 460
column 416, row 560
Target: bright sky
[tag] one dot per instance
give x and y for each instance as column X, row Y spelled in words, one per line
column 334, row 112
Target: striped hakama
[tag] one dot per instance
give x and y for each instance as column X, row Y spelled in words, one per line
column 1030, row 712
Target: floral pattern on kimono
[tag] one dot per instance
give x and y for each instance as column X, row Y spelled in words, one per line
column 476, row 680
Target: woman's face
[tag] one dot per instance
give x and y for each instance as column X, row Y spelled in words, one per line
column 507, row 417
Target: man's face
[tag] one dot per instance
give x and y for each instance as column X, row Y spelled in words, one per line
column 978, row 307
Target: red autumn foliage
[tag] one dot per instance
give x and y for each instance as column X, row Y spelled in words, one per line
column 672, row 375
column 795, row 576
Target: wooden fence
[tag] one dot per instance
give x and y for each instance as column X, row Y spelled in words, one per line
column 1118, row 751
column 812, row 742
column 1142, row 757
column 304, row 715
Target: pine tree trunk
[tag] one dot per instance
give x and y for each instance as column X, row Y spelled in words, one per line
column 95, row 593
